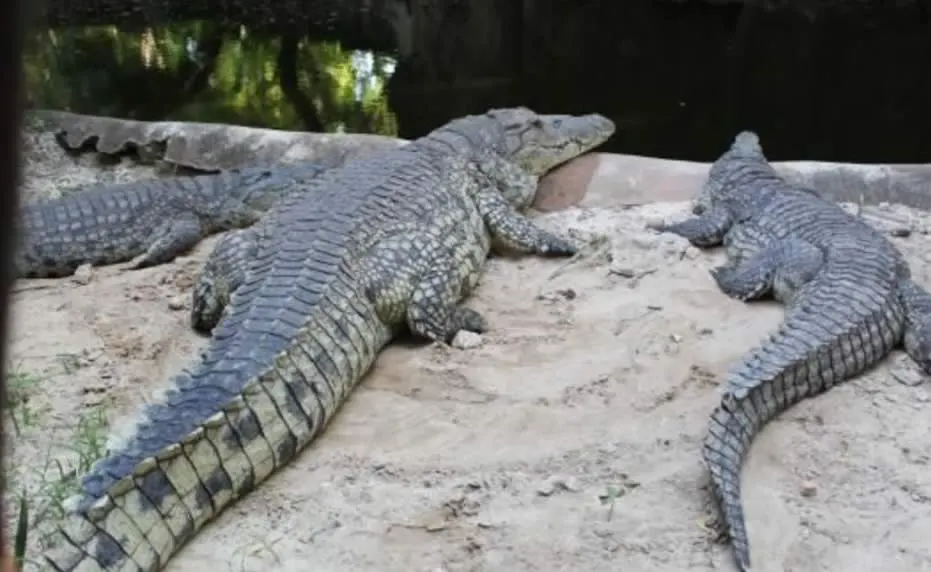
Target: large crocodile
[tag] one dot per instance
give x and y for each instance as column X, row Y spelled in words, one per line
column 394, row 240
column 847, row 290
column 154, row 220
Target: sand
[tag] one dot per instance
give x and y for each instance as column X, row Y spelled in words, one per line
column 566, row 439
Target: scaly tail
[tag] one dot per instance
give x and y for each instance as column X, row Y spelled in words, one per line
column 220, row 432
column 821, row 343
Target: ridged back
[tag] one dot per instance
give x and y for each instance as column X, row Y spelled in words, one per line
column 315, row 245
column 852, row 295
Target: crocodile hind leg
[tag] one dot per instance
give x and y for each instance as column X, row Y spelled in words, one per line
column 743, row 241
column 779, row 269
column 413, row 279
column 434, row 311
column 222, row 273
column 917, row 303
column 171, row 239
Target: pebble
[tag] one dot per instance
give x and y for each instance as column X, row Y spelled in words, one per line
column 808, row 489
column 83, row 275
column 176, row 303
column 692, row 252
column 645, row 242
column 654, row 221
column 556, row 484
column 623, row 272
column 466, row 340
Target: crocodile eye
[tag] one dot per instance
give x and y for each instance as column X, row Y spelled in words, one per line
column 536, row 123
column 557, row 124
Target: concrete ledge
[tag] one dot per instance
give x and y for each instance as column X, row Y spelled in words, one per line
column 607, row 179
column 597, row 179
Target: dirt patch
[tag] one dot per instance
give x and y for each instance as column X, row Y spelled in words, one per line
column 567, row 440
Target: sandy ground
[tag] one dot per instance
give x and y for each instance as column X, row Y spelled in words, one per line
column 567, row 440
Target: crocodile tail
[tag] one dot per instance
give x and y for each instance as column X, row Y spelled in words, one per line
column 222, row 430
column 726, row 443
column 821, row 343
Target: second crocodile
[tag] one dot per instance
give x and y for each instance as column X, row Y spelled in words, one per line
column 390, row 242
column 151, row 221
column 848, row 293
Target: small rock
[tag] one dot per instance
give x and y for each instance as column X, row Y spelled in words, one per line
column 176, row 303
column 624, row 272
column 654, row 221
column 808, row 489
column 645, row 242
column 676, row 338
column 436, row 525
column 466, row 340
column 546, row 489
column 569, row 483
column 556, row 484
column 83, row 275
column 691, row 252
column 568, row 293
column 908, row 376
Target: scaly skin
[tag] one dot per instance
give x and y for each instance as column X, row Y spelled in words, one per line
column 392, row 241
column 154, row 220
column 848, row 293
column 223, row 272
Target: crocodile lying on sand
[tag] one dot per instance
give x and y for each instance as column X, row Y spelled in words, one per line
column 848, row 294
column 395, row 240
column 154, row 220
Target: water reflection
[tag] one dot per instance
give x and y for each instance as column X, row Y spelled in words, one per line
column 213, row 73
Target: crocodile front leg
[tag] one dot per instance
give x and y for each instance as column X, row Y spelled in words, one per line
column 509, row 190
column 703, row 231
column 169, row 240
column 510, row 229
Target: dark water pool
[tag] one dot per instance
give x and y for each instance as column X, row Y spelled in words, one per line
column 679, row 78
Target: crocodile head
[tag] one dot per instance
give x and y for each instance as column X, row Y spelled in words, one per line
column 726, row 172
column 258, row 189
column 540, row 142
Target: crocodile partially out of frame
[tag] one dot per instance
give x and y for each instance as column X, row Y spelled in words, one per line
column 392, row 241
column 848, row 294
column 152, row 221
